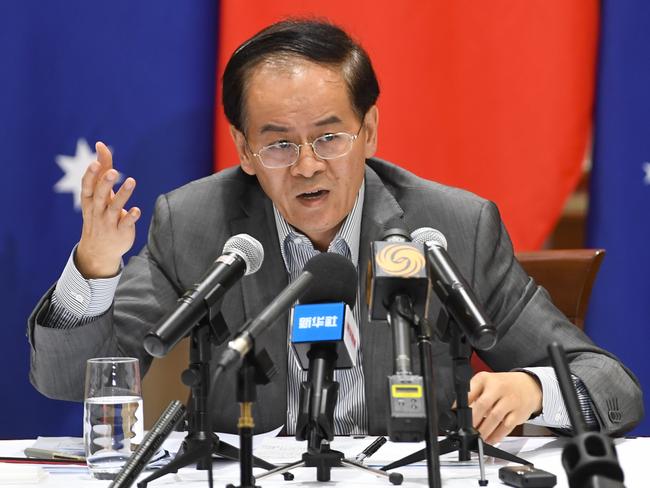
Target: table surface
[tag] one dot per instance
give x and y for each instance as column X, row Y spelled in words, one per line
column 544, row 452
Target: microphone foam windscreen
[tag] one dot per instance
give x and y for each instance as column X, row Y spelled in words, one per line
column 336, row 279
column 248, row 248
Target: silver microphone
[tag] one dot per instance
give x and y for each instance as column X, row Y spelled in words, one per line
column 454, row 292
column 242, row 255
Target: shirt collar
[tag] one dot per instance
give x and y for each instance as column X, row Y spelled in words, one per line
column 349, row 233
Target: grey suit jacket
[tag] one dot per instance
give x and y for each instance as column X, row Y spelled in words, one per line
column 190, row 227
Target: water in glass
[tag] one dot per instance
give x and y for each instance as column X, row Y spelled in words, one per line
column 113, row 427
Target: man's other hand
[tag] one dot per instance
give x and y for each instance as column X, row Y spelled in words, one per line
column 108, row 229
column 501, row 401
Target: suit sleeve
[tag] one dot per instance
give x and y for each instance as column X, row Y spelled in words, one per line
column 527, row 322
column 147, row 290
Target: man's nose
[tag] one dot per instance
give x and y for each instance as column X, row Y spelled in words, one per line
column 308, row 163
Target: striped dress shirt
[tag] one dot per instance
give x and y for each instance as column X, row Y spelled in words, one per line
column 350, row 413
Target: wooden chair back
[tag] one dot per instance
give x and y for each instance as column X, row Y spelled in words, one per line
column 162, row 383
column 568, row 275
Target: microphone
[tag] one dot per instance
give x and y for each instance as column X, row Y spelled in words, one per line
column 397, row 266
column 324, row 336
column 399, row 293
column 242, row 255
column 454, row 292
column 323, row 267
column 324, row 317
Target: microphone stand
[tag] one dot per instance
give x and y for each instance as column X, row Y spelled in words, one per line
column 432, row 450
column 315, row 422
column 589, row 458
column 402, row 319
column 200, row 442
column 462, row 437
column 256, row 369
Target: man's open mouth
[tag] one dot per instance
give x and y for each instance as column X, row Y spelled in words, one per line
column 312, row 195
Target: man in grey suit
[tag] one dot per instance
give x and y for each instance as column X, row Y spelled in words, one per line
column 300, row 97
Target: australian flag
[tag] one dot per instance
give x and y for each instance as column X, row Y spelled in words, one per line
column 619, row 209
column 137, row 75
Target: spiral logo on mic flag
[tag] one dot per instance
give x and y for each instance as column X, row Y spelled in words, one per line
column 396, row 267
column 401, row 260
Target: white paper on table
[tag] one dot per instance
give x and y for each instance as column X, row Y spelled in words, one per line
column 75, row 446
column 175, row 439
column 18, row 474
column 285, row 450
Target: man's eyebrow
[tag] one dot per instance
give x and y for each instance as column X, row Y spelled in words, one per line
column 273, row 128
column 332, row 119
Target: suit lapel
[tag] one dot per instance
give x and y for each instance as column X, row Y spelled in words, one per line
column 379, row 208
column 258, row 290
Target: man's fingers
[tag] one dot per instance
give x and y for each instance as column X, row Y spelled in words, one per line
column 88, row 181
column 89, row 178
column 102, row 191
column 119, row 199
column 492, row 418
column 104, row 156
column 128, row 219
column 476, row 386
column 482, row 407
column 504, row 428
column 501, row 401
column 478, row 398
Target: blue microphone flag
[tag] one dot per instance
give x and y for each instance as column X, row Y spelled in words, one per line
column 322, row 323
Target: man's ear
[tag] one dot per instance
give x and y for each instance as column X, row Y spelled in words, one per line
column 371, row 123
column 242, row 151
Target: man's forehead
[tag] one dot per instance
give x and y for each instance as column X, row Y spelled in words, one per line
column 293, row 86
column 291, row 65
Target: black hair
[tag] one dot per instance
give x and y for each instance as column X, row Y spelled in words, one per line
column 314, row 40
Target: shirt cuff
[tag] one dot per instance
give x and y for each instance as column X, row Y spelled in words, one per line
column 554, row 413
column 84, row 298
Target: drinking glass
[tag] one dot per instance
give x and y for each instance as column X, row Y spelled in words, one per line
column 113, row 414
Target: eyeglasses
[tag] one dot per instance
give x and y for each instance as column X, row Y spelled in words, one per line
column 328, row 146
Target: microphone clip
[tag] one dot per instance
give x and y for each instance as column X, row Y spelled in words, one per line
column 403, row 306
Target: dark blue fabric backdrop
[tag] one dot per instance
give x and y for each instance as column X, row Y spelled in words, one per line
column 137, row 75
column 619, row 214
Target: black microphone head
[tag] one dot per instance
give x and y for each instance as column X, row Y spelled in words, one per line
column 397, row 266
column 336, row 279
column 395, row 232
column 248, row 248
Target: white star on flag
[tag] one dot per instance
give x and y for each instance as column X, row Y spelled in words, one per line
column 74, row 168
column 646, row 168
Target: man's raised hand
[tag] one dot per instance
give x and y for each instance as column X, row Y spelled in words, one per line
column 108, row 228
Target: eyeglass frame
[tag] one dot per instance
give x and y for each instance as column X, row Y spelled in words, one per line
column 311, row 144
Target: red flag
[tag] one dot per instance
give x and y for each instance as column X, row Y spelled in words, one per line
column 495, row 97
